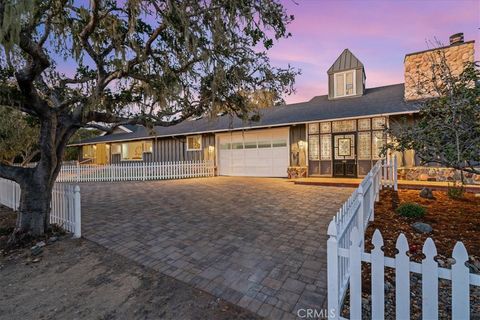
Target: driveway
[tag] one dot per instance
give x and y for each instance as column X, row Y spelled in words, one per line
column 256, row 242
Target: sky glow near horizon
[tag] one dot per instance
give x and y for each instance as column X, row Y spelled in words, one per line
column 379, row 34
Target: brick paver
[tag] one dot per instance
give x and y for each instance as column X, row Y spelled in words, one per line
column 259, row 243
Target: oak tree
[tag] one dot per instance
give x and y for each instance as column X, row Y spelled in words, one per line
column 73, row 64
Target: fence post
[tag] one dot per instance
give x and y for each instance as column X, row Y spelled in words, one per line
column 78, row 212
column 78, row 173
column 361, row 214
column 332, row 271
column 395, row 173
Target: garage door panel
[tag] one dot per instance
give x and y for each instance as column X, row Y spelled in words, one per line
column 261, row 153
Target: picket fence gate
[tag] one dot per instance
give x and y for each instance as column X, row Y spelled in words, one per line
column 136, row 171
column 65, row 205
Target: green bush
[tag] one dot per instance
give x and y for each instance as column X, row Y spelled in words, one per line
column 455, row 191
column 411, row 210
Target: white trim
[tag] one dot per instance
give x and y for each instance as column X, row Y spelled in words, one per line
column 344, row 73
column 195, row 136
column 248, row 128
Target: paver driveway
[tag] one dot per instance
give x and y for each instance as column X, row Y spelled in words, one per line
column 259, row 243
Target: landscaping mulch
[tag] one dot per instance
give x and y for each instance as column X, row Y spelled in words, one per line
column 451, row 220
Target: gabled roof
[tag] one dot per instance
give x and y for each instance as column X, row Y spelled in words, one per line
column 376, row 101
column 346, row 61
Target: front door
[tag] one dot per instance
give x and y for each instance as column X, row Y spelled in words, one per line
column 344, row 155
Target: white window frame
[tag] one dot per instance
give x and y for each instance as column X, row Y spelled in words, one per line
column 195, row 136
column 335, row 75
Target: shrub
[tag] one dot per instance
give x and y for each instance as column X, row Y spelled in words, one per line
column 456, row 191
column 411, row 210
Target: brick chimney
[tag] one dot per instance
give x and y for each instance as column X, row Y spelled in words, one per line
column 418, row 65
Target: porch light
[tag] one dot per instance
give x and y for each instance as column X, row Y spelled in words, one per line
column 211, row 149
column 301, row 144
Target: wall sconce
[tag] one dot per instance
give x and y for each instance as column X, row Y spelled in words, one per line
column 211, row 149
column 301, row 144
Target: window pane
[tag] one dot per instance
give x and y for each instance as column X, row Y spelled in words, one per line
column 326, row 147
column 89, row 151
column 250, row 145
column 313, row 148
column 313, row 128
column 264, row 144
column 237, row 145
column 279, row 143
column 363, row 124
column 344, row 126
column 349, row 83
column 194, row 143
column 148, row 146
column 325, row 127
column 225, row 146
column 116, row 148
column 340, row 85
column 378, row 123
column 378, row 142
column 132, row 151
column 364, row 146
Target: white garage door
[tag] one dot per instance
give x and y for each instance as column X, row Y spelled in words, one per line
column 258, row 153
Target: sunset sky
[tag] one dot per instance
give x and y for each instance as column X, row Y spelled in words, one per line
column 379, row 33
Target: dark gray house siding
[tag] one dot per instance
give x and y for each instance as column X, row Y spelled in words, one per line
column 175, row 149
column 298, row 150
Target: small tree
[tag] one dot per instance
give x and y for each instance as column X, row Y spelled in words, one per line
column 149, row 62
column 447, row 130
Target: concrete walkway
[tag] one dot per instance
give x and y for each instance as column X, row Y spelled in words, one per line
column 259, row 243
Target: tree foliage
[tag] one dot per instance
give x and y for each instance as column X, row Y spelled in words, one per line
column 447, row 130
column 77, row 64
column 18, row 136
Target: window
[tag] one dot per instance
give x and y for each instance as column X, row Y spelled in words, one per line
column 251, row 145
column 225, row 146
column 264, row 144
column 326, row 147
column 364, row 146
column 378, row 123
column 363, row 124
column 344, row 83
column 237, row 145
column 344, row 126
column 148, row 146
column 279, row 143
column 313, row 128
column 89, row 151
column 378, row 142
column 313, row 145
column 116, row 148
column 194, row 143
column 132, row 151
column 325, row 127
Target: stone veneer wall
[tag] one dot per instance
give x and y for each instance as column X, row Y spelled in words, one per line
column 436, row 174
column 418, row 66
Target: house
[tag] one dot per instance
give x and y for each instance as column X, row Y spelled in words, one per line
column 339, row 134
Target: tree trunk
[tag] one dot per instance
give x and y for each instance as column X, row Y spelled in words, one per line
column 33, row 217
column 34, row 211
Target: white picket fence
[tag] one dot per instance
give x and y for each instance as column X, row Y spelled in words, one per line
column 459, row 275
column 132, row 171
column 65, row 205
column 345, row 252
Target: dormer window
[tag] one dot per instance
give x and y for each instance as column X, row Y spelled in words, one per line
column 344, row 83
